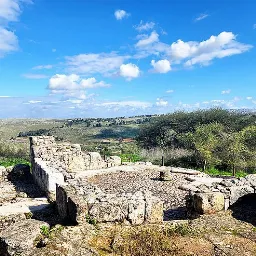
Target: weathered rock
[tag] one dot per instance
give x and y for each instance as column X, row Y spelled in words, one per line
column 19, row 237
column 237, row 192
column 206, row 203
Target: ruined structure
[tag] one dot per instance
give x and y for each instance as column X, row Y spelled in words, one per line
column 209, row 195
column 60, row 170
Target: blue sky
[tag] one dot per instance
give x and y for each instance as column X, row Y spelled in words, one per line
column 103, row 58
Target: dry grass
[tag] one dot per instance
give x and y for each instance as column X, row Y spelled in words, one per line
column 150, row 240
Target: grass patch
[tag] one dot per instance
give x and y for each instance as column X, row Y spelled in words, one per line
column 216, row 172
column 13, row 161
column 131, row 158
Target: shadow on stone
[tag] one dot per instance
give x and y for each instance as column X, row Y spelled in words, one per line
column 22, row 179
column 46, row 214
column 179, row 213
column 245, row 208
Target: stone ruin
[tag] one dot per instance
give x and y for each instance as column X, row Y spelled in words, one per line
column 209, row 195
column 60, row 170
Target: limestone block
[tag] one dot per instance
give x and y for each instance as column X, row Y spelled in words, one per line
column 238, row 191
column 19, row 237
column 206, row 203
column 165, row 175
column 115, row 160
column 136, row 211
column 154, row 210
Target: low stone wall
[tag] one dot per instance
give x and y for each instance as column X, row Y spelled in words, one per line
column 80, row 203
column 209, row 195
column 54, row 163
column 47, row 177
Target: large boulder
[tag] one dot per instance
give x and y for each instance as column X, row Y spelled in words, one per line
column 206, row 203
column 19, row 238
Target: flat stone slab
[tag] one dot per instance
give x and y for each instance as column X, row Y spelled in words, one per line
column 204, row 180
column 185, row 171
column 26, row 206
column 20, row 237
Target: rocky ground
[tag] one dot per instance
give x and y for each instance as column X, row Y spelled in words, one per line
column 226, row 233
column 167, row 191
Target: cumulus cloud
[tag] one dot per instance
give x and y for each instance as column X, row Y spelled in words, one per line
column 204, row 52
column 161, row 66
column 8, row 42
column 147, row 40
column 35, row 76
column 129, row 71
column 192, row 52
column 120, row 14
column 9, row 12
column 103, row 63
column 161, row 102
column 73, row 82
column 202, row 16
column 226, row 91
column 249, row 98
column 144, row 26
column 43, row 67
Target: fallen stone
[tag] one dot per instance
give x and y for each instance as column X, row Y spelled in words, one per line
column 237, row 192
column 165, row 175
column 19, row 237
column 185, row 171
column 207, row 203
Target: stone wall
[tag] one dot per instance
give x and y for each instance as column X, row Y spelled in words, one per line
column 78, row 203
column 57, row 169
column 54, row 163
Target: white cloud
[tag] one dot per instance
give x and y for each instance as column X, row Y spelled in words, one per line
column 120, row 14
column 73, row 82
column 73, row 85
column 204, row 52
column 129, row 71
column 161, row 103
column 103, row 63
column 249, row 98
column 170, row 91
column 136, row 104
column 9, row 12
column 226, row 91
column 161, row 66
column 8, row 42
column 202, row 16
column 43, row 67
column 35, row 76
column 144, row 26
column 34, row 101
column 147, row 40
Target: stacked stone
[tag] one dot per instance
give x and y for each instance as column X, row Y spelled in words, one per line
column 80, row 201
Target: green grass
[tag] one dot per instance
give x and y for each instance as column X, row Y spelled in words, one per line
column 215, row 172
column 131, row 158
column 13, row 161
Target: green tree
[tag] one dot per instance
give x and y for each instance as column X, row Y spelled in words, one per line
column 205, row 140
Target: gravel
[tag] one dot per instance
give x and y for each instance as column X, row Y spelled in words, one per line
column 130, row 182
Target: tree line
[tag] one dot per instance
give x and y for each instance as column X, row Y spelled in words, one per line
column 217, row 138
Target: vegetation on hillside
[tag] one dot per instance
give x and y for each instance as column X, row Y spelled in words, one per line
column 207, row 138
